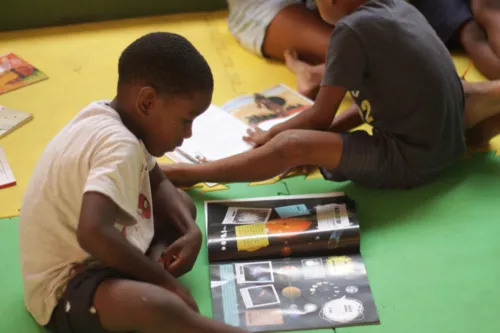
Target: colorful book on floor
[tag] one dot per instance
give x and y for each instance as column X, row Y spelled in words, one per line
column 219, row 131
column 287, row 263
column 16, row 73
column 11, row 119
column 7, row 178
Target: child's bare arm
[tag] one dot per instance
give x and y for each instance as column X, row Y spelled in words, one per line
column 172, row 208
column 169, row 203
column 319, row 116
column 287, row 150
column 97, row 235
column 347, row 120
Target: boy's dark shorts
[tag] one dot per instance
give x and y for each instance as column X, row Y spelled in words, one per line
column 447, row 17
column 373, row 161
column 75, row 312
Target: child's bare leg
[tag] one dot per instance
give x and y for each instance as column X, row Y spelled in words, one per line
column 300, row 38
column 476, row 44
column 482, row 111
column 131, row 306
column 487, row 14
column 297, row 28
column 308, row 76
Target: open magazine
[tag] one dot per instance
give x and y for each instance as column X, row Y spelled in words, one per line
column 287, row 263
column 219, row 131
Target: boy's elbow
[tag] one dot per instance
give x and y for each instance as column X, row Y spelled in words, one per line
column 86, row 235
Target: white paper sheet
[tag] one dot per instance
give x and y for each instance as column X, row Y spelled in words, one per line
column 216, row 135
column 6, row 176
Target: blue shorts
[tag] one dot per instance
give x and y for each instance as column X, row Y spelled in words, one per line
column 374, row 161
column 447, row 17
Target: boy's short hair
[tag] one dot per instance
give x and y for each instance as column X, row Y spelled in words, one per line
column 167, row 62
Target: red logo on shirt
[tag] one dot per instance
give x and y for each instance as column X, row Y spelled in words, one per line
column 144, row 208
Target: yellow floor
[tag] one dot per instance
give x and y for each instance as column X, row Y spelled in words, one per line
column 81, row 62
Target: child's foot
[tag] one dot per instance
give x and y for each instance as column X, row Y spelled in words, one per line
column 480, row 135
column 308, row 76
column 482, row 101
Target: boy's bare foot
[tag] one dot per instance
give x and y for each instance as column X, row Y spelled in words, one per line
column 482, row 111
column 308, row 76
column 482, row 101
column 480, row 135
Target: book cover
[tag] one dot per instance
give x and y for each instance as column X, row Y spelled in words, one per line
column 11, row 119
column 16, row 73
column 287, row 263
column 268, row 107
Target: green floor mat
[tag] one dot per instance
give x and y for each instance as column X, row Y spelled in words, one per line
column 13, row 317
column 430, row 253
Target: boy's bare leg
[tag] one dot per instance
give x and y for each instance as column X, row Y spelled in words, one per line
column 298, row 28
column 476, row 44
column 299, row 37
column 287, row 150
column 482, row 111
column 308, row 76
column 131, row 306
column 487, row 14
column 481, row 37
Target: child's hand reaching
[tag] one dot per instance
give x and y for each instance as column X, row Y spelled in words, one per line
column 257, row 137
column 178, row 174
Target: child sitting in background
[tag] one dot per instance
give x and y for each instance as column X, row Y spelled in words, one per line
column 405, row 85
column 291, row 31
column 99, row 219
column 473, row 25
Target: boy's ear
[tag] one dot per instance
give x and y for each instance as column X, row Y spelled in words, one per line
column 146, row 99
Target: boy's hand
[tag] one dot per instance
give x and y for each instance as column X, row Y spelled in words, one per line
column 301, row 170
column 257, row 137
column 181, row 255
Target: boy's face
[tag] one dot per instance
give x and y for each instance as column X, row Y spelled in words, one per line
column 169, row 120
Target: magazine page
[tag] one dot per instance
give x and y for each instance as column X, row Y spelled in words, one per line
column 282, row 226
column 293, row 293
column 267, row 108
column 216, row 135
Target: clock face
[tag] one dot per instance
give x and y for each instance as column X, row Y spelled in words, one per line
column 325, row 290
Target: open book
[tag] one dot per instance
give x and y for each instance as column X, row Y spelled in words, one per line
column 219, row 131
column 287, row 263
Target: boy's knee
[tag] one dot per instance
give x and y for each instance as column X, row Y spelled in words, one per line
column 169, row 311
column 486, row 12
column 186, row 199
column 472, row 34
